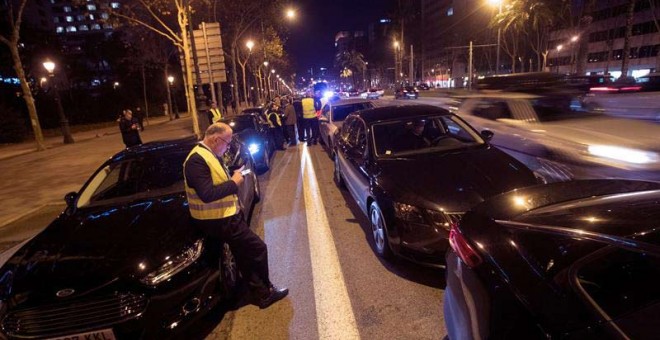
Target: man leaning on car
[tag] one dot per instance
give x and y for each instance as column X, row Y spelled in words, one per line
column 215, row 209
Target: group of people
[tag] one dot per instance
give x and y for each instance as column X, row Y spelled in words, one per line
column 287, row 118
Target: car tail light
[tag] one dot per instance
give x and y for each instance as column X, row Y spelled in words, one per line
column 603, row 89
column 460, row 245
column 631, row 88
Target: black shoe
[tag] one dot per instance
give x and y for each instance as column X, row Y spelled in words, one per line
column 274, row 294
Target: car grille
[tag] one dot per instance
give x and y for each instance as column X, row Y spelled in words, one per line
column 73, row 316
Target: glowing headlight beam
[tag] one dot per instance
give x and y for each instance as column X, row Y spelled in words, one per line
column 623, row 154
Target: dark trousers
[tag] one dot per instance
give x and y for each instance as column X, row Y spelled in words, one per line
column 311, row 129
column 301, row 129
column 290, row 134
column 278, row 136
column 249, row 250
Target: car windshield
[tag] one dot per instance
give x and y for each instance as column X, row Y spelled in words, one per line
column 240, row 124
column 556, row 108
column 134, row 178
column 340, row 112
column 422, row 135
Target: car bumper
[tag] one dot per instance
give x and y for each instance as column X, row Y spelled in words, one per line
column 421, row 243
column 466, row 302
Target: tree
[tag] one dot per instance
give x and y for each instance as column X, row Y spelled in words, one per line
column 512, row 21
column 350, row 62
column 10, row 36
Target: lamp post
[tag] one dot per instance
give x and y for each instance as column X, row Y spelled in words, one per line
column 559, row 48
column 574, row 39
column 64, row 123
column 397, row 49
column 499, row 35
column 170, row 82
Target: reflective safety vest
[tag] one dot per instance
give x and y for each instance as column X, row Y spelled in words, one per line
column 224, row 207
column 308, row 108
column 277, row 118
column 217, row 115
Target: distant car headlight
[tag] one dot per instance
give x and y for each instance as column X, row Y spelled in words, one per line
column 254, row 148
column 622, row 154
column 174, row 265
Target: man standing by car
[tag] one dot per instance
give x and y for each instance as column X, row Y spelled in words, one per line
column 215, row 209
column 309, row 115
column 290, row 121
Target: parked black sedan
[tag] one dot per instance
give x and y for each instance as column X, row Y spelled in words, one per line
column 570, row 260
column 122, row 261
column 249, row 129
column 414, row 170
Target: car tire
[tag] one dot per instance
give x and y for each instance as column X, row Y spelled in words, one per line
column 229, row 274
column 339, row 181
column 379, row 231
column 265, row 165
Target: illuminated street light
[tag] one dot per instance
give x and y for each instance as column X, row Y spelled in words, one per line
column 574, row 38
column 170, row 80
column 272, row 71
column 290, row 14
column 249, row 44
column 497, row 3
column 559, row 47
column 266, row 63
column 64, row 123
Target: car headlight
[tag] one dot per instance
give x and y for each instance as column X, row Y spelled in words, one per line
column 413, row 214
column 174, row 265
column 622, row 154
column 253, row 148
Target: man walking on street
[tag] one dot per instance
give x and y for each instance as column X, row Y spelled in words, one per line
column 215, row 209
column 290, row 121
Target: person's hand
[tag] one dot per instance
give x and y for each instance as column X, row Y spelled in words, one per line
column 237, row 177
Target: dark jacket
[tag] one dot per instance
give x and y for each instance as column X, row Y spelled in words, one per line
column 129, row 136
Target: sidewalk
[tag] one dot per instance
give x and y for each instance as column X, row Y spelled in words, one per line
column 13, row 150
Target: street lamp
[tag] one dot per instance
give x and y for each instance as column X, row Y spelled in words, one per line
column 64, row 123
column 290, row 14
column 249, row 44
column 170, row 82
column 558, row 48
column 497, row 3
column 397, row 50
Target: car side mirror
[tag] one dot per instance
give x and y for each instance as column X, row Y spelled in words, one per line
column 487, row 135
column 70, row 199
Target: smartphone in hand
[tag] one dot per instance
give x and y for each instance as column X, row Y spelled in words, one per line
column 246, row 172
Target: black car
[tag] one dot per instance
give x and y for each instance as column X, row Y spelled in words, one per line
column 259, row 112
column 249, row 129
column 570, row 260
column 122, row 260
column 406, row 92
column 424, row 87
column 414, row 170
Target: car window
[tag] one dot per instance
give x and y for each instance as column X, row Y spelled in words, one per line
column 340, row 112
column 423, row 134
column 492, row 109
column 134, row 178
column 556, row 108
column 358, row 137
column 621, row 282
column 346, row 128
column 238, row 125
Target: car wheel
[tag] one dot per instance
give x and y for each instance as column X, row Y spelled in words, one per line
column 379, row 231
column 229, row 274
column 339, row 181
column 265, row 165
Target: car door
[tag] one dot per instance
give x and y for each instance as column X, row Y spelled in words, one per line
column 356, row 153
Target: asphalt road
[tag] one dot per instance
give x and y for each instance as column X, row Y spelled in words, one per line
column 319, row 247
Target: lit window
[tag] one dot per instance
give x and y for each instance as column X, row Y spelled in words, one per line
column 67, row 9
column 83, row 28
column 56, row 19
column 91, row 16
column 80, row 17
column 104, row 15
column 71, row 29
column 450, row 11
column 69, row 18
column 91, row 7
column 96, row 27
column 114, row 4
column 59, row 29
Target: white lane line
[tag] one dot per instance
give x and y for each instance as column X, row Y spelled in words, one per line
column 334, row 313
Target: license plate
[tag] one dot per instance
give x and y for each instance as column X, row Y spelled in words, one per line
column 104, row 334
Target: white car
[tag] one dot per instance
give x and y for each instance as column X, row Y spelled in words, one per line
column 636, row 105
column 559, row 140
column 333, row 115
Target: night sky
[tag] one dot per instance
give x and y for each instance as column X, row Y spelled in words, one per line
column 311, row 38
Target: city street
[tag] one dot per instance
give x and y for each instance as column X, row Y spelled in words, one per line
column 319, row 246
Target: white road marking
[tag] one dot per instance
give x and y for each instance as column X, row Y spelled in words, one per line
column 334, row 313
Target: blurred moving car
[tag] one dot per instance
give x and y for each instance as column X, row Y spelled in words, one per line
column 333, row 115
column 585, row 83
column 414, row 170
column 253, row 133
column 406, row 92
column 423, row 86
column 640, row 101
column 649, row 82
column 123, row 260
column 373, row 93
column 559, row 139
column 573, row 260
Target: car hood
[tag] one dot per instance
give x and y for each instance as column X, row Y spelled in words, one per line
column 95, row 247
column 607, row 131
column 452, row 182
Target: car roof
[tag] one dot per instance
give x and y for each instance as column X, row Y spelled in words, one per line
column 156, row 147
column 378, row 114
column 499, row 94
column 349, row 101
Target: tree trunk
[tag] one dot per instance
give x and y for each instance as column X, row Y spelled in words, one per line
column 234, row 74
column 27, row 97
column 190, row 90
column 626, row 42
column 583, row 46
column 245, row 94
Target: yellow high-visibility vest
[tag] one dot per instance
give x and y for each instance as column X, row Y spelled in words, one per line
column 277, row 118
column 217, row 115
column 224, row 207
column 308, row 108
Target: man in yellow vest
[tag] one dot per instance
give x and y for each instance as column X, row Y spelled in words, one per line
column 215, row 209
column 215, row 115
column 309, row 117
